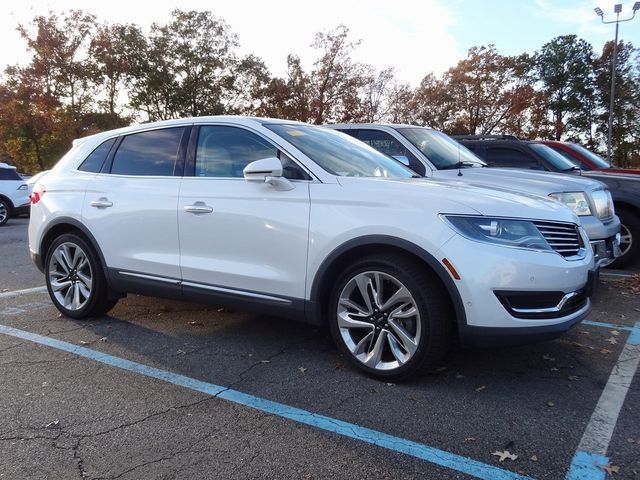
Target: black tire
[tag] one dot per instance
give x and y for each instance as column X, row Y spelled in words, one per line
column 630, row 226
column 5, row 211
column 431, row 300
column 98, row 301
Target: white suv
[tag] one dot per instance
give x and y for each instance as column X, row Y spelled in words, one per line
column 14, row 193
column 306, row 222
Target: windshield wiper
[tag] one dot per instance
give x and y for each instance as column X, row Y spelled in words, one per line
column 572, row 169
column 459, row 165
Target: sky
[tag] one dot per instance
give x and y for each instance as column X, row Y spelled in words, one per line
column 416, row 37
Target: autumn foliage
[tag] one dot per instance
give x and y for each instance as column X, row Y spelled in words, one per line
column 85, row 76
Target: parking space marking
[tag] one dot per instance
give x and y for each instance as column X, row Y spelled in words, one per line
column 433, row 455
column 26, row 291
column 591, row 455
column 612, row 326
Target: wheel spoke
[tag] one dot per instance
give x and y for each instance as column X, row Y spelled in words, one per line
column 76, row 296
column 396, row 349
column 59, row 256
column 399, row 312
column 68, row 297
column 350, row 304
column 401, row 295
column 56, row 286
column 84, row 279
column 345, row 321
column 364, row 283
column 362, row 346
column 407, row 341
column 375, row 353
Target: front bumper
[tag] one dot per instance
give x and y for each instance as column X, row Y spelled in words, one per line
column 606, row 251
column 487, row 269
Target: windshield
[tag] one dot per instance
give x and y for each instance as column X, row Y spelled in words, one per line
column 598, row 160
column 553, row 157
column 441, row 150
column 339, row 153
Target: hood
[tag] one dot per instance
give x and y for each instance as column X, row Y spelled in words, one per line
column 530, row 181
column 454, row 196
column 603, row 175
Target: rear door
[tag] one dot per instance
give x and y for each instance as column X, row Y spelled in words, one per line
column 131, row 205
column 237, row 237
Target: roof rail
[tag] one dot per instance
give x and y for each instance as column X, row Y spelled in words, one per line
column 485, row 137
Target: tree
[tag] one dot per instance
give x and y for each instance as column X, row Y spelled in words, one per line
column 375, row 105
column 564, row 68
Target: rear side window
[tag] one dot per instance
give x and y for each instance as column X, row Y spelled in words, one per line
column 9, row 174
column 510, row 157
column 385, row 143
column 94, row 161
column 152, row 153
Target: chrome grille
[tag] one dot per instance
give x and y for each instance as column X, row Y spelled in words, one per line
column 562, row 237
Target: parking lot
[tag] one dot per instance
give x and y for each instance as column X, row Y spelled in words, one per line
column 163, row 389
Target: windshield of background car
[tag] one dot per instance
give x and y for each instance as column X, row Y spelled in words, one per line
column 553, row 157
column 443, row 151
column 340, row 154
column 598, row 160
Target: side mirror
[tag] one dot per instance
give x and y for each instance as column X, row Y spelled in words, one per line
column 267, row 170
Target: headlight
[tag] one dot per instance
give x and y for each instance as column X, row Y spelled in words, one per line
column 603, row 203
column 576, row 201
column 499, row 231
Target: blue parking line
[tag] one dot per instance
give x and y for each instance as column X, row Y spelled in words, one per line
column 373, row 437
column 612, row 326
column 587, row 466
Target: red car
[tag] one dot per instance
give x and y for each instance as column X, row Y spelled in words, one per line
column 585, row 159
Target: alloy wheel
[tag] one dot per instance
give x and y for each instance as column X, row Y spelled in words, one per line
column 379, row 320
column 70, row 276
column 626, row 240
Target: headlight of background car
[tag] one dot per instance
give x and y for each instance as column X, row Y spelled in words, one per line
column 603, row 203
column 500, row 231
column 576, row 201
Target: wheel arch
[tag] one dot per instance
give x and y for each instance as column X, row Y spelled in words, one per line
column 341, row 256
column 8, row 201
column 61, row 226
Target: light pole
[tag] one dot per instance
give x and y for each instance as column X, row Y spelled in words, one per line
column 617, row 9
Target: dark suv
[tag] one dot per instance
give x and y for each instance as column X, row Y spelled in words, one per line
column 509, row 151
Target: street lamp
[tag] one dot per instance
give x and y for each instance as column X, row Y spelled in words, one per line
column 617, row 9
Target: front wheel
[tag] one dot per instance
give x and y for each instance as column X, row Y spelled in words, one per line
column 390, row 316
column 5, row 212
column 75, row 279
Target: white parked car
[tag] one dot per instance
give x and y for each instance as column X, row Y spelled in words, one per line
column 14, row 194
column 309, row 223
column 433, row 154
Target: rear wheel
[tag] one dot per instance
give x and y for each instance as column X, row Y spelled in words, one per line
column 75, row 279
column 629, row 239
column 5, row 211
column 390, row 316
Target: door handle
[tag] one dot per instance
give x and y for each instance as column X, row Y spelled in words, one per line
column 198, row 208
column 102, row 202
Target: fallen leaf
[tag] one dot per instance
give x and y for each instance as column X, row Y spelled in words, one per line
column 470, row 439
column 611, row 340
column 441, row 369
column 546, row 356
column 504, row 455
column 534, row 458
column 604, row 351
column 615, row 333
column 265, row 361
column 103, row 339
column 480, row 388
column 302, row 369
column 631, row 440
column 221, row 309
column 553, row 369
column 52, row 424
column 611, row 469
column 180, row 352
column 459, row 375
column 551, row 404
column 390, row 384
column 341, row 367
column 572, row 377
column 196, row 324
column 82, row 342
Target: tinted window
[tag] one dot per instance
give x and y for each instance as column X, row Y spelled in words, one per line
column 510, row 157
column 441, row 150
column 148, row 153
column 559, row 163
column 225, row 151
column 570, row 157
column 385, row 143
column 94, row 161
column 9, row 174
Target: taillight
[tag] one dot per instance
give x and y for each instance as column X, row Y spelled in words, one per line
column 37, row 193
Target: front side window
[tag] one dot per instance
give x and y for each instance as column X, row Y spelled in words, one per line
column 510, row 158
column 554, row 158
column 596, row 159
column 225, row 151
column 152, row 153
column 338, row 153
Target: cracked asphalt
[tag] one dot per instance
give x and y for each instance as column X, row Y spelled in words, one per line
column 62, row 416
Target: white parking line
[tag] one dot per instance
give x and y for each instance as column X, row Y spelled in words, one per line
column 26, row 291
column 591, row 456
